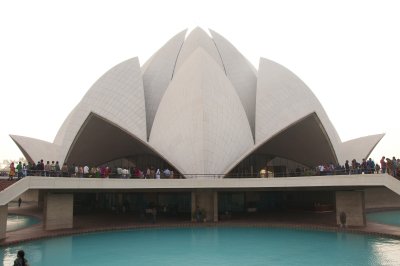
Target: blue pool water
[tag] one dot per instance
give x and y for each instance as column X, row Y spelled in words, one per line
column 16, row 222
column 387, row 217
column 210, row 246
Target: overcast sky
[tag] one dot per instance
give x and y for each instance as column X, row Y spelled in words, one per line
column 347, row 52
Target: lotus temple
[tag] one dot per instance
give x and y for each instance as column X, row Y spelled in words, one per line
column 201, row 109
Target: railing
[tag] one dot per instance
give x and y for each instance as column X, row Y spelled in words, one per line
column 304, row 172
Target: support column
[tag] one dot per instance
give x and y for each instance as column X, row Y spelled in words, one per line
column 351, row 203
column 3, row 221
column 193, row 206
column 215, row 206
column 41, row 197
column 58, row 211
column 207, row 200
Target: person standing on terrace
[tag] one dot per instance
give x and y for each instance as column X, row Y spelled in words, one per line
column 24, row 170
column 383, row 165
column 64, row 170
column 19, row 170
column 29, row 169
column 370, row 166
column 41, row 167
column 347, row 167
column 377, row 168
column 76, row 171
column 12, row 171
column 47, row 169
column 158, row 173
column 80, row 171
column 167, row 173
column 364, row 166
column 52, row 169
column 58, row 169
column 394, row 166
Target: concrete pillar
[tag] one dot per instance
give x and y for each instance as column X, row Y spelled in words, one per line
column 352, row 203
column 58, row 211
column 193, row 206
column 41, row 197
column 207, row 200
column 3, row 221
column 215, row 194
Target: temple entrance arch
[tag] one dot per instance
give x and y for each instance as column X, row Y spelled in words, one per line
column 301, row 146
column 100, row 142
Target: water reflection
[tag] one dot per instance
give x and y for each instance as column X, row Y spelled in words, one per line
column 386, row 251
column 16, row 222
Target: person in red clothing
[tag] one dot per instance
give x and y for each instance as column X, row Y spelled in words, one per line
column 12, row 171
column 383, row 165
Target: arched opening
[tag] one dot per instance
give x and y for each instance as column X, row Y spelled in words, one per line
column 101, row 143
column 294, row 151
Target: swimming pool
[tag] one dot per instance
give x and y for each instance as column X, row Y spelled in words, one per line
column 386, row 217
column 16, row 222
column 210, row 246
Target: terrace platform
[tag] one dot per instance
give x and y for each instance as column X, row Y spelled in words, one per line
column 334, row 182
column 60, row 192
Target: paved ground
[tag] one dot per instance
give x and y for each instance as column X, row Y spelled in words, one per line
column 4, row 183
column 106, row 221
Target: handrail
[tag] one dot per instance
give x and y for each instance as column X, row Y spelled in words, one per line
column 279, row 174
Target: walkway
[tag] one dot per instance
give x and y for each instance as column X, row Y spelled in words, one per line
column 4, row 183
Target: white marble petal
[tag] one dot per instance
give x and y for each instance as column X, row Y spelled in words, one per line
column 283, row 99
column 157, row 74
column 198, row 38
column 201, row 126
column 117, row 96
column 242, row 75
column 35, row 149
column 359, row 148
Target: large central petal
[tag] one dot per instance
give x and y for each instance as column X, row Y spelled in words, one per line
column 201, row 126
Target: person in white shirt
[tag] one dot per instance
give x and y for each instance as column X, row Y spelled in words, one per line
column 86, row 171
column 167, row 172
column 158, row 174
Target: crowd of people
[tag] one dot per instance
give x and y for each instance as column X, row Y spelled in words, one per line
column 54, row 169
column 385, row 165
column 40, row 169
